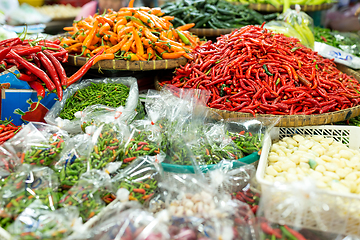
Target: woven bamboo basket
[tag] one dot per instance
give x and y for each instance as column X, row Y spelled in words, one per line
column 299, row 120
column 209, row 32
column 123, row 65
column 265, row 7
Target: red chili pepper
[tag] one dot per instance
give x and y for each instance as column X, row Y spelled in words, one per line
column 40, row 91
column 27, row 78
column 143, row 143
column 4, row 52
column 47, row 64
column 59, row 68
column 81, row 72
column 35, row 70
column 126, row 160
column 10, row 40
column 140, row 190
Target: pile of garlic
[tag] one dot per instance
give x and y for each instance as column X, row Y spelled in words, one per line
column 331, row 164
column 200, row 205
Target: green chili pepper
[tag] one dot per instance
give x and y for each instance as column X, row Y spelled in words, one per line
column 266, row 70
column 183, row 37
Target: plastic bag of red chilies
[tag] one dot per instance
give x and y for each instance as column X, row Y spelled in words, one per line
column 253, row 70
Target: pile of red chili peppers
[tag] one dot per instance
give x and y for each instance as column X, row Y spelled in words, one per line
column 254, row 70
column 7, row 130
column 39, row 63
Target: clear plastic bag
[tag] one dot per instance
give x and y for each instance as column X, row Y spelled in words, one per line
column 74, row 126
column 108, row 141
column 27, row 184
column 338, row 55
column 8, row 161
column 73, row 160
column 302, row 23
column 38, row 144
column 198, row 210
column 300, row 205
column 285, row 28
column 87, row 194
column 101, row 113
column 139, row 181
column 39, row 222
column 127, row 224
column 145, row 139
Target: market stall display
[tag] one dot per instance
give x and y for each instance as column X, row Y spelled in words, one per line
column 180, row 162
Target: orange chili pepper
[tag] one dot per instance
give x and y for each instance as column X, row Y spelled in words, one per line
column 139, row 45
column 127, row 45
column 172, row 55
column 106, row 56
column 185, row 27
column 118, row 46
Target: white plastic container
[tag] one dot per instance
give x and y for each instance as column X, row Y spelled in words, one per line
column 327, row 210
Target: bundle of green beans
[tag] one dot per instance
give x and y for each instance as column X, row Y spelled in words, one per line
column 108, row 94
column 108, row 147
column 349, row 43
column 216, row 14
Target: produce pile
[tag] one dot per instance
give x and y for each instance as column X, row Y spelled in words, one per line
column 39, row 62
column 330, row 163
column 7, row 130
column 216, row 14
column 47, row 57
column 253, row 70
column 108, row 94
column 130, row 34
column 348, row 42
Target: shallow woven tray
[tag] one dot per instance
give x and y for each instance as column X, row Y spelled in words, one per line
column 209, row 32
column 129, row 65
column 264, row 7
column 299, row 120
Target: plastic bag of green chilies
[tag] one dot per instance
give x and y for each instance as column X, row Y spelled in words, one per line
column 87, row 193
column 73, row 160
column 112, row 92
column 27, row 184
column 138, row 181
column 38, row 144
column 37, row 221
